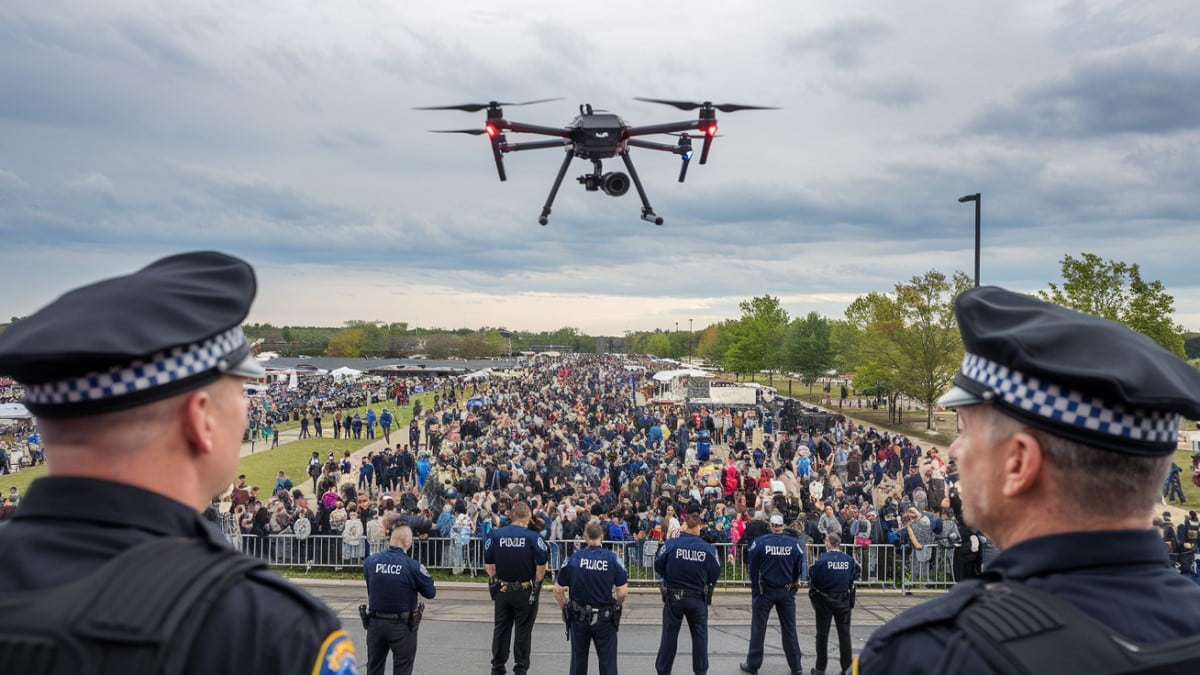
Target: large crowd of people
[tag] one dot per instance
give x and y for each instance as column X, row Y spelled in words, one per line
column 572, row 440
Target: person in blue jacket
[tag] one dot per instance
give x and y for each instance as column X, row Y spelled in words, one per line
column 590, row 588
column 1066, row 425
column 831, row 592
column 689, row 569
column 394, row 580
column 776, row 564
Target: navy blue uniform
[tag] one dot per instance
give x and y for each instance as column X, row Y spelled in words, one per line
column 393, row 582
column 517, row 552
column 830, row 580
column 687, row 565
column 66, row 528
column 1068, row 566
column 591, row 574
column 776, row 563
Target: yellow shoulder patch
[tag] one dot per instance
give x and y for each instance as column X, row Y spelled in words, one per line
column 336, row 656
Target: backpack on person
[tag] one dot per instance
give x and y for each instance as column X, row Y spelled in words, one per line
column 139, row 612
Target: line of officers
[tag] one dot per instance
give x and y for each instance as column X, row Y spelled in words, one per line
column 591, row 588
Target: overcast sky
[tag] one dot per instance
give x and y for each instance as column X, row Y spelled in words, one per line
column 283, row 132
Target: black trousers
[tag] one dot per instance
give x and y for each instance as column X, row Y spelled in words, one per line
column 674, row 612
column 394, row 636
column 583, row 634
column 837, row 609
column 513, row 609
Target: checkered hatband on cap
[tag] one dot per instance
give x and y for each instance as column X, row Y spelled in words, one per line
column 1068, row 407
column 169, row 366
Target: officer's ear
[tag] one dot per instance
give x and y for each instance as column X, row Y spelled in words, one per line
column 1023, row 464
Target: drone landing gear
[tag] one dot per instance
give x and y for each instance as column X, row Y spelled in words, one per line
column 544, row 219
column 613, row 183
column 648, row 214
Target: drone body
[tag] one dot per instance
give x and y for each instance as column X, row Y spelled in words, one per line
column 598, row 135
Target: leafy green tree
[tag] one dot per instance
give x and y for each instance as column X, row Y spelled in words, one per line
column 905, row 341
column 346, row 343
column 756, row 339
column 808, row 348
column 1115, row 290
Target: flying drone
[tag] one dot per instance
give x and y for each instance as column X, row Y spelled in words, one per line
column 597, row 135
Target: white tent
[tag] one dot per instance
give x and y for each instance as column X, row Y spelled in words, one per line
column 484, row 374
column 344, row 372
column 668, row 375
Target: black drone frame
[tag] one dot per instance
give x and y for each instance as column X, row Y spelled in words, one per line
column 596, row 135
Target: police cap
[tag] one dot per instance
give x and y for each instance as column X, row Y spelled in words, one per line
column 1071, row 374
column 168, row 328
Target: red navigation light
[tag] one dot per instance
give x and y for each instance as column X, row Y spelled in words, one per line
column 712, row 129
column 491, row 130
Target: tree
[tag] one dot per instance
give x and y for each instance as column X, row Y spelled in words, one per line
column 907, row 341
column 1115, row 290
column 756, row 339
column 808, row 351
column 346, row 343
column 929, row 344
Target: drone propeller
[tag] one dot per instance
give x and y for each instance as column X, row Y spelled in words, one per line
column 692, row 105
column 473, row 132
column 684, row 134
column 476, row 107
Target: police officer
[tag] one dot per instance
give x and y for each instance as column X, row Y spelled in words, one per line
column 831, row 591
column 137, row 385
column 515, row 557
column 591, row 587
column 1066, row 426
column 394, row 614
column 689, row 569
column 776, row 563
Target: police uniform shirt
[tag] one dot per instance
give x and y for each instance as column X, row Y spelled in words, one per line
column 776, row 560
column 833, row 572
column 67, row 527
column 591, row 574
column 1091, row 570
column 394, row 580
column 688, row 563
column 516, row 551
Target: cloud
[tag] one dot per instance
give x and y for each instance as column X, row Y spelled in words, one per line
column 1144, row 93
column 843, row 43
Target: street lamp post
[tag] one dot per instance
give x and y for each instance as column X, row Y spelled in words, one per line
column 978, row 199
column 690, row 336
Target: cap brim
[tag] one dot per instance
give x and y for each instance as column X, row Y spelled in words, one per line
column 958, row 397
column 247, row 367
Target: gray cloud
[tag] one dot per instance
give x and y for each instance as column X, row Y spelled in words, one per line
column 1148, row 93
column 844, row 43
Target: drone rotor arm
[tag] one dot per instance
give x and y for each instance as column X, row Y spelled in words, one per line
column 667, row 128
column 522, row 128
column 651, row 145
column 534, row 145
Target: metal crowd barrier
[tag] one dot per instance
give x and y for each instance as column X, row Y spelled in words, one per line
column 884, row 566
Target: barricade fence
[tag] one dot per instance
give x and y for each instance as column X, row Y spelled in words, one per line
column 883, row 566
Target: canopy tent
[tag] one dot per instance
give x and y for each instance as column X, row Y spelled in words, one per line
column 668, row 375
column 484, row 374
column 344, row 372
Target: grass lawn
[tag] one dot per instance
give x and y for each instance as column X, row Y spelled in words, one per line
column 261, row 466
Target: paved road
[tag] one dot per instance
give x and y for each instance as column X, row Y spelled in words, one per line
column 457, row 633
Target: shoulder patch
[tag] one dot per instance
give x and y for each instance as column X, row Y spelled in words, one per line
column 336, row 656
column 424, row 571
column 541, row 544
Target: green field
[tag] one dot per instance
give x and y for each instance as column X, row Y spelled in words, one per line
column 261, row 466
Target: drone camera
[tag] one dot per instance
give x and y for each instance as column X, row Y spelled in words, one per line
column 614, row 183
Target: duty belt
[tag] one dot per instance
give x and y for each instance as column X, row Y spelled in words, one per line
column 589, row 614
column 680, row 593
column 506, row 586
column 391, row 616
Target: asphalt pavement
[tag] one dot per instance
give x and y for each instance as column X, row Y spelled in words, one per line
column 456, row 635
